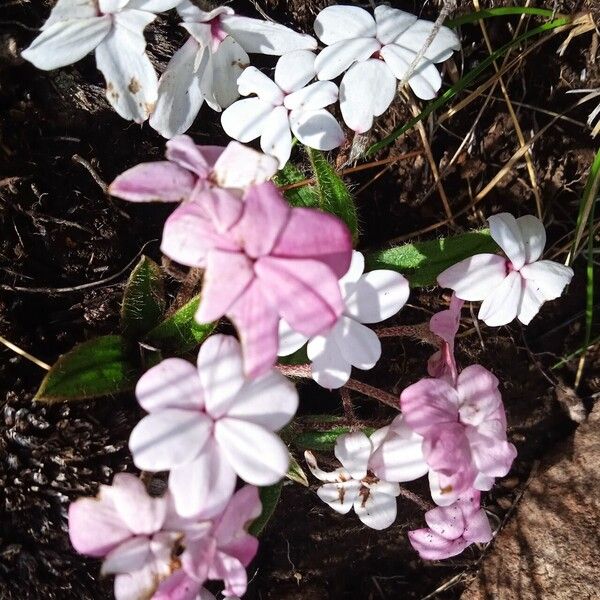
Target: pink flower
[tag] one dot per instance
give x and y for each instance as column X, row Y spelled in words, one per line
column 263, row 261
column 209, row 423
column 451, row 529
column 464, row 431
column 190, row 169
column 137, row 535
column 445, row 325
column 511, row 287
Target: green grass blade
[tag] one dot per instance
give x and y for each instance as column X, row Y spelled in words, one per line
column 501, row 11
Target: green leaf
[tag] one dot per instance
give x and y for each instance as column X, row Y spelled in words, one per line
column 300, row 357
column 144, row 299
column 296, row 472
column 323, row 441
column 333, row 194
column 304, row 196
column 98, row 367
column 180, row 332
column 422, row 262
column 269, row 496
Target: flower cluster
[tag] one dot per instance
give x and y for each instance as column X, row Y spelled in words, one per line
column 213, row 66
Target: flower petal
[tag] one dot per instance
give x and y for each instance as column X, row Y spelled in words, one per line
column 312, row 97
column 265, row 37
column 155, row 6
column 478, row 395
column 432, row 546
column 131, row 82
column 329, row 368
column 429, row 403
column 66, row 41
column 317, row 129
column 506, row 232
column 533, row 233
column 127, row 557
column 232, row 572
column 200, row 160
column 447, row 521
column 531, row 302
column 502, row 305
column 180, row 586
column 547, row 278
column 356, row 269
column 294, row 70
column 391, row 22
column 340, row 496
column 173, row 383
column 474, row 278
column 276, row 138
column 357, row 102
column 359, row 345
column 441, row 48
column 240, row 167
column 169, row 438
column 338, row 475
column 353, row 450
column 253, row 81
column 336, row 23
column 228, row 63
column 258, row 456
column 71, row 10
column 289, row 340
column 245, row 120
column 478, row 528
column 337, row 58
column 375, row 509
column 244, row 506
column 305, row 292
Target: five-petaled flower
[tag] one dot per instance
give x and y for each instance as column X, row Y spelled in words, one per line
column 511, row 287
column 354, row 484
column 207, row 66
column 375, row 52
column 209, row 423
column 368, row 298
column 263, row 261
column 284, row 106
column 191, row 169
column 115, row 30
column 451, row 529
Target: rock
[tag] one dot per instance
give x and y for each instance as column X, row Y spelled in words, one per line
column 551, row 546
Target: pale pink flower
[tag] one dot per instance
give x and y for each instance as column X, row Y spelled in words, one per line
column 263, row 261
column 451, row 529
column 511, row 287
column 445, row 326
column 209, row 423
column 191, row 169
column 464, row 431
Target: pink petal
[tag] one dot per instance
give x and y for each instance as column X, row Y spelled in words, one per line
column 244, row 507
column 232, row 572
column 445, row 323
column 475, row 277
column 501, row 306
column 227, row 276
column 432, row 546
column 243, row 547
column 197, row 159
column 477, row 529
column 478, row 394
column 310, row 233
column 154, row 182
column 179, row 586
column 429, row 403
column 173, row 383
column 222, row 207
column 492, row 455
column 306, row 292
column 447, row 521
column 129, row 556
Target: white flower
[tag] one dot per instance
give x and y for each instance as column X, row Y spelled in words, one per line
column 115, row 30
column 207, row 66
column 376, row 52
column 511, row 287
column 285, row 104
column 368, row 298
column 354, row 485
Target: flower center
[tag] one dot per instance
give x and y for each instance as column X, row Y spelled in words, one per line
column 217, row 33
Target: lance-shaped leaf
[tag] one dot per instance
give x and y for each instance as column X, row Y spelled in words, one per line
column 296, row 472
column 98, row 367
column 144, row 299
column 302, row 196
column 422, row 262
column 269, row 497
column 180, row 333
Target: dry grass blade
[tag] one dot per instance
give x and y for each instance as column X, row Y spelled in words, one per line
column 24, row 354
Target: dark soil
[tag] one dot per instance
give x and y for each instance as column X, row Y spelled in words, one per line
column 59, row 230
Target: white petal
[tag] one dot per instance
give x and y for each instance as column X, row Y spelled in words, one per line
column 66, row 42
column 358, row 102
column 191, row 13
column 359, row 345
column 253, row 81
column 266, row 37
column 353, row 450
column 547, row 277
column 276, row 138
column 336, row 23
column 71, row 10
column 441, row 48
column 155, row 6
column 506, row 232
column 425, row 81
column 112, row 6
column 375, row 510
column 258, row 456
column 169, row 438
column 270, row 401
column 329, row 368
column 289, row 340
column 334, row 60
column 391, row 22
column 533, row 233
column 229, row 61
column 131, row 82
column 240, row 166
column 205, row 486
column 355, row 270
column 245, row 119
column 127, row 557
column 376, row 296
column 317, row 129
column 475, row 277
column 316, row 95
column 180, row 91
column 221, row 371
column 339, row 496
column 502, row 304
column 294, row 70
column 338, row 475
column 531, row 302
